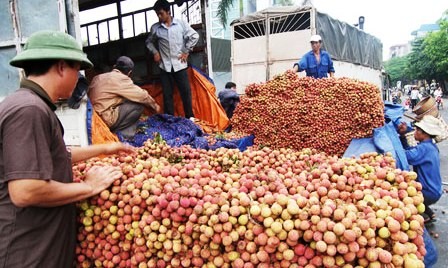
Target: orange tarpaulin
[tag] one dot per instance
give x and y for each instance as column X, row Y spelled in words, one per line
column 100, row 131
column 206, row 107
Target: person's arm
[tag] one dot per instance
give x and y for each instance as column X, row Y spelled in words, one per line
column 415, row 155
column 303, row 63
column 190, row 36
column 132, row 92
column 330, row 66
column 50, row 193
column 235, row 96
column 402, row 129
column 296, row 67
column 84, row 153
column 221, row 95
column 151, row 41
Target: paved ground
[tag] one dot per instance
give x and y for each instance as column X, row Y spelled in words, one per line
column 439, row 229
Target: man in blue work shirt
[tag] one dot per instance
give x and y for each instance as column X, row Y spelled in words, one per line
column 425, row 159
column 170, row 41
column 317, row 63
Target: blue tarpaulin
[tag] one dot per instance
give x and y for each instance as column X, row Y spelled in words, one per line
column 393, row 112
column 360, row 146
column 178, row 131
column 385, row 139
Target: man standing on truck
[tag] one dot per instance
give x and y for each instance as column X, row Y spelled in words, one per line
column 170, row 41
column 117, row 100
column 37, row 192
column 316, row 63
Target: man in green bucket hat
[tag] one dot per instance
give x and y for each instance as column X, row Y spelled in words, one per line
column 37, row 192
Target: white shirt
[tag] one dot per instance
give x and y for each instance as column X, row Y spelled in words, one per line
column 414, row 94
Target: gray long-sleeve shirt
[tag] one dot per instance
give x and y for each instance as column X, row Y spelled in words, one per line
column 170, row 42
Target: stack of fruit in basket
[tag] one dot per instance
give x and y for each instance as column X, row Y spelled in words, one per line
column 184, row 207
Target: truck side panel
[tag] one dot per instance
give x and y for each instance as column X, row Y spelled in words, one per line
column 20, row 19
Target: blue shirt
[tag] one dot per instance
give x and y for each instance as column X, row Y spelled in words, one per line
column 170, row 42
column 309, row 64
column 426, row 163
column 228, row 95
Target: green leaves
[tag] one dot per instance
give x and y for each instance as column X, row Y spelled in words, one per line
column 436, row 48
column 223, row 9
column 428, row 59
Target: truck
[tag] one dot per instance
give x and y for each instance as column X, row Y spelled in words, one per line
column 279, row 36
column 123, row 32
column 108, row 36
column 19, row 20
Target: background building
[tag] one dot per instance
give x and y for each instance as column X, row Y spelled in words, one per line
column 401, row 50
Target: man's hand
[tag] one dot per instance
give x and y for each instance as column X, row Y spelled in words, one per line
column 158, row 109
column 402, row 128
column 118, row 147
column 100, row 178
column 183, row 57
column 157, row 57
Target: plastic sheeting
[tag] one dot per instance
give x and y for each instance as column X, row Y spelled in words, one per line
column 206, row 105
column 178, row 131
column 343, row 41
column 360, row 146
column 393, row 112
column 386, row 140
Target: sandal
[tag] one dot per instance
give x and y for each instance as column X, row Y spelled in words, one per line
column 428, row 219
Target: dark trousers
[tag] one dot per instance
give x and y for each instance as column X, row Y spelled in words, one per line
column 229, row 107
column 429, row 200
column 128, row 117
column 414, row 103
column 183, row 84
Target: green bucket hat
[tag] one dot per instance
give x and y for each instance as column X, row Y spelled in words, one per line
column 48, row 45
